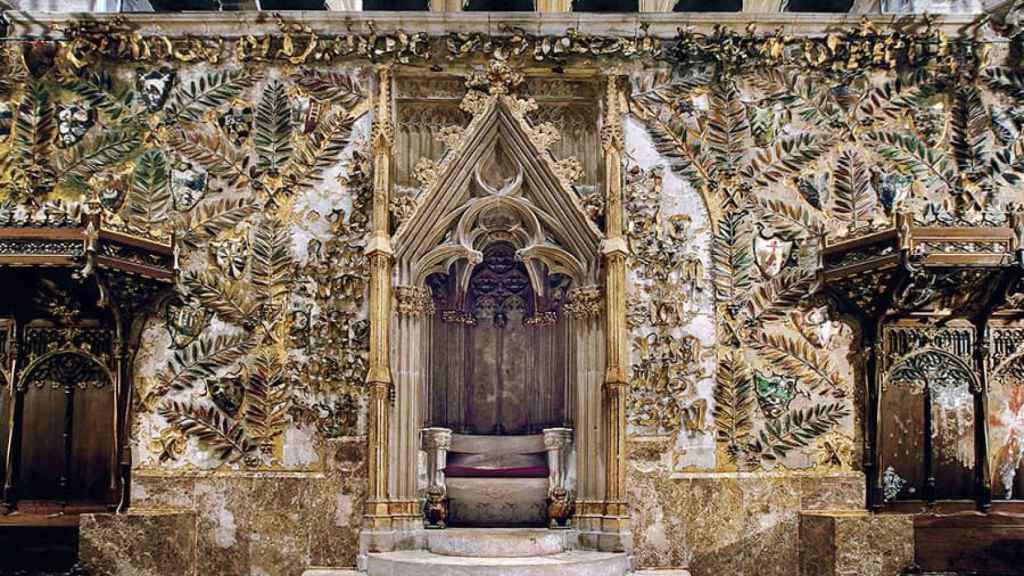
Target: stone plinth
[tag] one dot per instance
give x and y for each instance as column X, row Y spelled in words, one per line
column 855, row 542
column 140, row 543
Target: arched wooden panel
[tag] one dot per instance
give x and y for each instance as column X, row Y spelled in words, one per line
column 92, row 444
column 1006, row 412
column 952, row 409
column 42, row 460
column 927, row 428
column 67, row 430
column 902, row 443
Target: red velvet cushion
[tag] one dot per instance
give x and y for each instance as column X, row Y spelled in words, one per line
column 456, row 471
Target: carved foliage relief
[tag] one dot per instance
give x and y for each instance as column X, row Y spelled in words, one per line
column 790, row 143
column 261, row 176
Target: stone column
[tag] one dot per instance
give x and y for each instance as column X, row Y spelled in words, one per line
column 413, row 310
column 762, row 6
column 446, row 5
column 379, row 253
column 584, row 309
column 658, row 5
column 555, row 5
column 616, row 381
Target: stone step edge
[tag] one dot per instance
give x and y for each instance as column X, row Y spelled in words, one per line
column 499, row 543
column 353, row 572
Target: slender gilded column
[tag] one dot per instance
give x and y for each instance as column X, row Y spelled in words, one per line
column 379, row 254
column 617, row 354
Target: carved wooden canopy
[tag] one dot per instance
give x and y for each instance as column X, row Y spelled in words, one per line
column 78, row 293
column 909, row 268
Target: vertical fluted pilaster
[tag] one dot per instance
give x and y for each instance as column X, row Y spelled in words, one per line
column 617, row 353
column 379, row 254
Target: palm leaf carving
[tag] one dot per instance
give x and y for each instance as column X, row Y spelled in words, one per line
column 33, row 131
column 687, row 156
column 728, row 128
column 230, row 301
column 669, row 88
column 797, row 358
column 320, row 151
column 266, row 400
column 910, row 154
column 796, row 430
column 189, row 103
column 732, row 258
column 969, row 135
column 773, row 299
column 889, row 100
column 1005, row 80
column 341, row 89
column 213, row 217
column 801, row 95
column 226, row 438
column 271, row 261
column 210, row 151
column 93, row 155
column 855, row 200
column 734, row 402
column 787, row 157
column 98, row 89
column 792, row 219
column 273, row 129
column 150, row 197
column 202, row 359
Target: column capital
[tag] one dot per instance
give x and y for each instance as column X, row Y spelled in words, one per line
column 614, row 247
column 379, row 245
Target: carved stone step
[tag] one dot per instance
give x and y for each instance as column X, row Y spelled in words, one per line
column 498, row 542
column 423, row 563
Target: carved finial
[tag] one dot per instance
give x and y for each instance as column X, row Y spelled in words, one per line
column 903, row 220
column 497, row 78
column 612, row 136
column 383, row 133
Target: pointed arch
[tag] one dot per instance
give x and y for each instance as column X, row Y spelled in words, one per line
column 534, row 210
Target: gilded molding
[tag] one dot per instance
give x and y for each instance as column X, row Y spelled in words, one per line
column 413, row 301
column 585, row 302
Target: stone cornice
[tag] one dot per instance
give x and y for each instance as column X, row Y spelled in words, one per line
column 27, row 25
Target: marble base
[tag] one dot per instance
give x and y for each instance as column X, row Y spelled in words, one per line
column 421, row 562
column 140, row 543
column 855, row 542
column 499, row 542
column 729, row 524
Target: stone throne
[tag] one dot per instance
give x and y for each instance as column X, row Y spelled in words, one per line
column 498, row 377
column 499, row 337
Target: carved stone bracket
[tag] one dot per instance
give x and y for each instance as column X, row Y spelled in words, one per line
column 561, row 497
column 436, row 442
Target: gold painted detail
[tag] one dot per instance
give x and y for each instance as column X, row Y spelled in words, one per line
column 584, row 302
column 413, row 301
